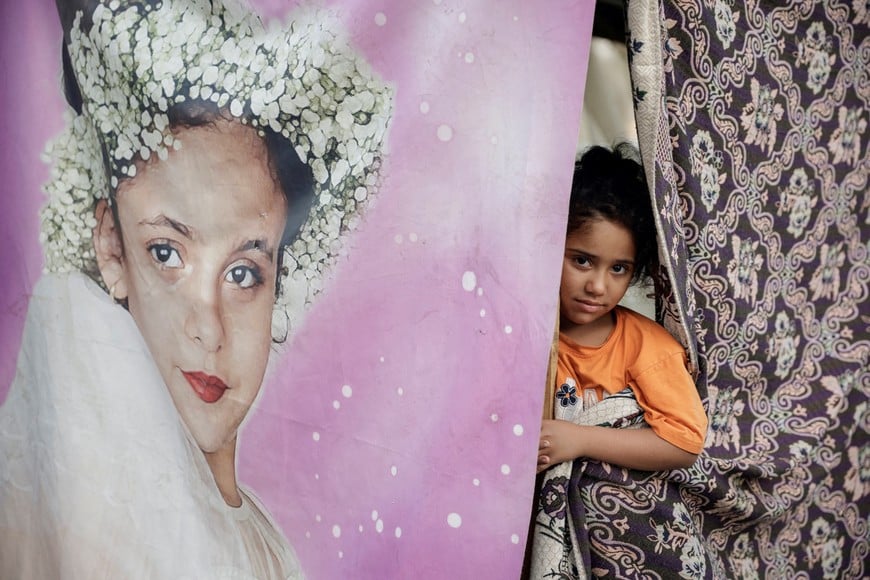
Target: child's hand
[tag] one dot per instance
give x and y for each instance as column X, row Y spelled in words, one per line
column 560, row 441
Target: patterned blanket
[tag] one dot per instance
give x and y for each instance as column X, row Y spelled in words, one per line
column 559, row 530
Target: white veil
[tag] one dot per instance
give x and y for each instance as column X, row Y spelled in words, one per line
column 98, row 476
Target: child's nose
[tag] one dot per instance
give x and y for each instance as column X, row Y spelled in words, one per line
column 203, row 324
column 595, row 284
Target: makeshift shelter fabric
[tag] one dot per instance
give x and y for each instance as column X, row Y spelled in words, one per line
column 752, row 121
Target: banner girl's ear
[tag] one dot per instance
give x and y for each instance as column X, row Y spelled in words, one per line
column 109, row 250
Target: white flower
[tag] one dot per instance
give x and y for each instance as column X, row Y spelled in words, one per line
column 210, row 75
column 318, row 168
column 338, row 172
column 344, row 118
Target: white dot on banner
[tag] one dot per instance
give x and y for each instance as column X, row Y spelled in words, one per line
column 462, row 17
column 383, row 359
column 393, row 471
column 508, row 329
column 518, row 430
column 494, row 417
column 436, row 2
column 379, row 526
column 482, row 312
column 315, row 436
column 475, row 482
column 308, row 535
column 480, row 291
column 424, row 107
column 454, row 520
column 506, row 469
column 469, row 57
column 340, row 554
column 346, row 391
column 398, row 238
column 336, row 405
column 316, row 476
column 374, row 515
column 401, row 391
column 360, row 528
column 398, row 532
column 515, row 539
column 336, row 531
column 380, row 18
column 317, row 517
column 493, row 140
column 469, row 281
column 412, row 236
column 445, row 132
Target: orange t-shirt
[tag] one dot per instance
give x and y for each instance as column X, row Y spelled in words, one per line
column 641, row 354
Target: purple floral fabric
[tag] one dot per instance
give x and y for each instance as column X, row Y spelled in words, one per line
column 753, row 123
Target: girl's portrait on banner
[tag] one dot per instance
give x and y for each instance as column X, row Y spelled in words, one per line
column 259, row 326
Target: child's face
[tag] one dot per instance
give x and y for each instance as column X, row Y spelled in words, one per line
column 201, row 232
column 596, row 271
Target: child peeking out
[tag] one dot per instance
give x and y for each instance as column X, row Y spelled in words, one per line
column 606, row 349
column 622, row 393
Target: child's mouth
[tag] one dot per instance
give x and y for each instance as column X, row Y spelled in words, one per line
column 207, row 387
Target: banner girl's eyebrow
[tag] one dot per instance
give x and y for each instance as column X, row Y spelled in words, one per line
column 164, row 221
column 259, row 245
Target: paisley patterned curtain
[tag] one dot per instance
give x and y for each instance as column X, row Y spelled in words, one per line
column 752, row 121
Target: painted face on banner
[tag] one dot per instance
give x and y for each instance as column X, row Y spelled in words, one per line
column 201, row 232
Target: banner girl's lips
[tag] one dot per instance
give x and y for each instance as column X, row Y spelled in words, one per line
column 207, row 387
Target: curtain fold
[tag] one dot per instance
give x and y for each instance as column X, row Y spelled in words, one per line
column 752, row 121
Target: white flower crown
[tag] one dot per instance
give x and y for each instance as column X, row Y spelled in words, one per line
column 304, row 81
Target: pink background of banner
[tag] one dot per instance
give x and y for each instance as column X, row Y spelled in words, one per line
column 396, row 434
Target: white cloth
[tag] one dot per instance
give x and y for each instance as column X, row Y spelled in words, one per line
column 99, row 478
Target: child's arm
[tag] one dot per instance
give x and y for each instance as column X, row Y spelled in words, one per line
column 632, row 448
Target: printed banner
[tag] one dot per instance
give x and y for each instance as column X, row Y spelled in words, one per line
column 280, row 283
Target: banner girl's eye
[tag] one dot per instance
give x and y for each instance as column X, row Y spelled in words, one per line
column 165, row 255
column 244, row 276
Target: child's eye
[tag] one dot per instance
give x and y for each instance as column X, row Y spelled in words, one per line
column 581, row 260
column 621, row 269
column 244, row 276
column 165, row 255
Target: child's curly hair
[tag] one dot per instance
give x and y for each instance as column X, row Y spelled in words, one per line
column 610, row 184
